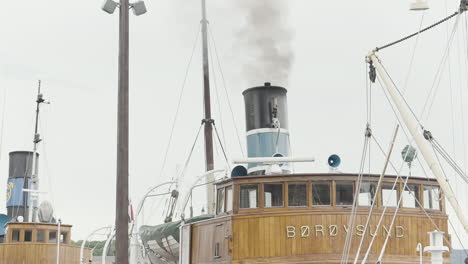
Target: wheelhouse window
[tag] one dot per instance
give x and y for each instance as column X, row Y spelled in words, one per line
column 229, row 199
column 27, row 235
column 40, row 235
column 220, row 201
column 52, row 237
column 389, row 195
column 411, row 196
column 15, row 235
column 63, row 237
column 321, row 193
column 273, row 195
column 367, row 193
column 344, row 193
column 297, row 194
column 248, row 196
column 431, row 196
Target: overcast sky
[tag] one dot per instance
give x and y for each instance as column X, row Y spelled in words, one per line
column 72, row 47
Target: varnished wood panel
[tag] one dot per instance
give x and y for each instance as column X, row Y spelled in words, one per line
column 40, row 253
column 204, row 238
column 265, row 236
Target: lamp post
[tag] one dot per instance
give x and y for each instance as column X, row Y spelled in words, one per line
column 121, row 216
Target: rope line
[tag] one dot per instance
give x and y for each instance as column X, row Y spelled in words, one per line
column 420, row 31
column 413, row 53
column 348, row 241
column 438, row 77
column 179, row 103
column 226, row 91
column 221, row 145
column 393, row 166
column 374, row 198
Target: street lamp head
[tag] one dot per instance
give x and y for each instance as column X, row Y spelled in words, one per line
column 139, row 8
column 109, row 6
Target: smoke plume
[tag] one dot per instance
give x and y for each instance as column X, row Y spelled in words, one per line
column 264, row 42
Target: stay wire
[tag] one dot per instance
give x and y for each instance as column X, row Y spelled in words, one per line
column 451, row 188
column 226, row 91
column 438, row 77
column 414, row 34
column 399, row 177
column 401, row 96
column 218, row 98
column 437, row 147
column 174, row 121
column 221, row 145
column 187, row 161
column 348, row 241
column 413, row 53
column 374, row 198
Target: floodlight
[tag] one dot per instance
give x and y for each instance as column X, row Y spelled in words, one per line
column 419, row 5
column 109, row 6
column 138, row 7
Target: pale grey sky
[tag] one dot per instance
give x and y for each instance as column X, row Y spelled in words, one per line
column 72, row 47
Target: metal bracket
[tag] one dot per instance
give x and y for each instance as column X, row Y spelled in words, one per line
column 208, row 121
column 463, row 6
column 372, row 73
column 428, row 135
column 368, row 132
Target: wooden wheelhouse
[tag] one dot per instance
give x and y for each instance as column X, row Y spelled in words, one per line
column 36, row 243
column 304, row 218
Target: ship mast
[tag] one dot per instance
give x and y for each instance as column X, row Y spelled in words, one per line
column 34, row 186
column 207, row 121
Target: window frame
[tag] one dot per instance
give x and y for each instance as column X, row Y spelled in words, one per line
column 417, row 196
column 219, row 212
column 283, row 191
column 438, row 200
column 307, row 197
column 331, row 189
column 229, row 187
column 353, row 183
column 258, row 196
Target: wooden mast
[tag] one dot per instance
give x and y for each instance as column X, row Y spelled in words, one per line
column 207, row 121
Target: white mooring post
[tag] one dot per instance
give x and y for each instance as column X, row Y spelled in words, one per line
column 436, row 248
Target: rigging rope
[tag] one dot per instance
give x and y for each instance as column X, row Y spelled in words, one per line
column 352, row 218
column 374, row 198
column 226, row 91
column 218, row 100
column 413, row 53
column 438, row 77
column 179, row 103
column 221, row 145
column 417, row 33
column 425, row 212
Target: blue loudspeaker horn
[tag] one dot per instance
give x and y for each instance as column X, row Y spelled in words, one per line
column 334, row 161
column 279, row 155
column 239, row 171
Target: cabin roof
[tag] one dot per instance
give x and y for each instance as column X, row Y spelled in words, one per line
column 312, row 175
